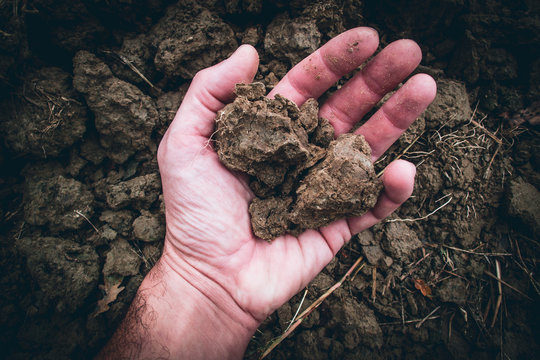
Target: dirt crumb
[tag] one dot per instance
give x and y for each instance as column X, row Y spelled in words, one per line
column 400, row 240
column 65, row 271
column 141, row 191
column 300, row 184
column 291, row 39
column 148, row 227
column 60, row 203
column 45, row 117
column 344, row 184
column 524, row 203
column 190, row 38
column 121, row 260
column 124, row 116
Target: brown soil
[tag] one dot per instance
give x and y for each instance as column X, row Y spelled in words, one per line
column 87, row 89
column 299, row 183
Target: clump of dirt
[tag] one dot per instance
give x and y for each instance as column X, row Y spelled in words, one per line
column 302, row 178
column 66, row 280
column 59, row 202
column 123, row 127
column 89, row 87
column 47, row 117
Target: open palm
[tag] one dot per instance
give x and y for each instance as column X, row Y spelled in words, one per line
column 209, row 239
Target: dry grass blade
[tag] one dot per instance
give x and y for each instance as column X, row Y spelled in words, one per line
column 476, row 253
column 506, row 284
column 427, row 317
column 310, row 309
column 423, row 217
column 413, row 266
column 499, row 298
column 88, row 220
column 403, row 152
column 135, row 70
column 297, row 310
column 410, row 321
column 374, row 286
column 489, row 133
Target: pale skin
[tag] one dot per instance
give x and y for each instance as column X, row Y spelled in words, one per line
column 216, row 282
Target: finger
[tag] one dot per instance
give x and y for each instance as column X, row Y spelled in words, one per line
column 317, row 248
column 398, row 180
column 211, row 89
column 382, row 74
column 395, row 116
column 315, row 74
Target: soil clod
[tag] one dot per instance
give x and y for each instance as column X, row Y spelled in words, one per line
column 302, row 178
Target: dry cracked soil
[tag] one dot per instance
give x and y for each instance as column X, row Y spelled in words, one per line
column 88, row 88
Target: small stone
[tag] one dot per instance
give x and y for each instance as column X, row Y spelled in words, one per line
column 388, row 261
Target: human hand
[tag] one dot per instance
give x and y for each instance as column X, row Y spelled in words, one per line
column 208, row 226
column 209, row 246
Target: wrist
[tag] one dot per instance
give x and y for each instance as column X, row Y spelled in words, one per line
column 191, row 316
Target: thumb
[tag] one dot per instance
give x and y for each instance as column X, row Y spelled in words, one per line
column 211, row 89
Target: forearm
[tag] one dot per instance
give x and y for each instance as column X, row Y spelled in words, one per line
column 169, row 318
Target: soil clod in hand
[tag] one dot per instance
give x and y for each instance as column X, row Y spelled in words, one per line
column 302, row 178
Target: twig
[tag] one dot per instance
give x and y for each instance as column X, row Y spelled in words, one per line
column 126, row 61
column 486, row 312
column 499, row 298
column 450, row 325
column 424, row 319
column 410, row 321
column 476, row 253
column 501, row 281
column 456, row 275
column 523, row 267
column 402, row 308
column 387, row 285
column 310, row 309
column 413, row 266
column 374, row 286
column 487, row 172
